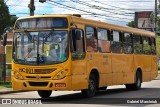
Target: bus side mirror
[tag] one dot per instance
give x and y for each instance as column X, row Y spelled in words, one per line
column 78, row 34
column 6, row 31
column 4, row 39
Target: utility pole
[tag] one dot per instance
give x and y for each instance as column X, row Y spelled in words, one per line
column 31, row 7
column 155, row 16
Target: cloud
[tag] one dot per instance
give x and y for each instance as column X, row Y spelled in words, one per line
column 113, row 11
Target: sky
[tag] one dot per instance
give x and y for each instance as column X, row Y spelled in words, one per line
column 118, row 12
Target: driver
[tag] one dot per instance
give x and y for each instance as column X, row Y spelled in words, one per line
column 55, row 47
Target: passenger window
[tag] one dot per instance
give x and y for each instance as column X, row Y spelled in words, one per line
column 128, row 43
column 146, row 46
column 103, row 40
column 116, row 44
column 137, row 44
column 91, row 39
column 153, row 46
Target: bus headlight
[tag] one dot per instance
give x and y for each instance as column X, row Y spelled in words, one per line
column 17, row 75
column 61, row 74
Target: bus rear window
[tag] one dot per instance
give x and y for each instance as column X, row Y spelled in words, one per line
column 41, row 23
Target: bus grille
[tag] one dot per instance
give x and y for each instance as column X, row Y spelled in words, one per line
column 38, row 83
column 41, row 77
column 44, row 71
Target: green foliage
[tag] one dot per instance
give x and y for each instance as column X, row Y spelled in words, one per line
column 4, row 16
column 158, row 45
column 158, row 67
column 131, row 24
column 6, row 20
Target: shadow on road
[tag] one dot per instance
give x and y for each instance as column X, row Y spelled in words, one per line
column 101, row 97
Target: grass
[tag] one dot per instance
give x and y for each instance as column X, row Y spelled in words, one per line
column 158, row 45
column 6, row 85
column 2, row 87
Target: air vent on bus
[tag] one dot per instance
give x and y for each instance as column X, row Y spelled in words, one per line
column 45, row 77
column 38, row 83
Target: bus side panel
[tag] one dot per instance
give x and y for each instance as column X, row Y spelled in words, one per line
column 154, row 70
column 79, row 75
column 117, row 68
column 146, row 60
column 128, row 69
column 143, row 62
column 104, row 67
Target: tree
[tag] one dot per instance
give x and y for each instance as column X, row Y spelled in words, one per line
column 4, row 16
column 131, row 24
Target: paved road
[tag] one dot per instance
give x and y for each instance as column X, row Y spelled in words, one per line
column 114, row 94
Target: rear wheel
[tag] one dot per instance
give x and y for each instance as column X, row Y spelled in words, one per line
column 92, row 86
column 44, row 93
column 137, row 84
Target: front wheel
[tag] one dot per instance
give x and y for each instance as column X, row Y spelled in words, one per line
column 44, row 93
column 92, row 85
column 137, row 84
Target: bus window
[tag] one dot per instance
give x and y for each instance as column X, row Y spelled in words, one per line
column 146, row 46
column 153, row 46
column 137, row 44
column 128, row 43
column 103, row 40
column 91, row 39
column 116, row 44
column 77, row 44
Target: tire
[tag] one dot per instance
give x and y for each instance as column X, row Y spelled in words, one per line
column 137, row 84
column 44, row 93
column 92, row 86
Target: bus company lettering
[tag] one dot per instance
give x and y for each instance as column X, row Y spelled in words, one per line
column 27, row 70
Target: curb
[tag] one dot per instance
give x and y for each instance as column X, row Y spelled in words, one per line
column 8, row 92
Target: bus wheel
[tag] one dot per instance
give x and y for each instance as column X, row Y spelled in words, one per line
column 44, row 93
column 137, row 84
column 92, row 85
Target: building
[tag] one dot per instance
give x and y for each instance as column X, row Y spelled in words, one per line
column 6, row 58
column 144, row 20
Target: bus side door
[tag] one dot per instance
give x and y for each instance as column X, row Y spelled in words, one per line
column 78, row 63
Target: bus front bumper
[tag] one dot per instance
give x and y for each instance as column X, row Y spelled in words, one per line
column 61, row 84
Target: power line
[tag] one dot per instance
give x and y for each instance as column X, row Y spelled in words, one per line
column 102, row 8
column 116, row 6
column 89, row 12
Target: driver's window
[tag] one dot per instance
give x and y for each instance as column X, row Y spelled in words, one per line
column 77, row 44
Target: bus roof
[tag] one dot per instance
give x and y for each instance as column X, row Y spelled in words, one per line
column 78, row 19
column 111, row 26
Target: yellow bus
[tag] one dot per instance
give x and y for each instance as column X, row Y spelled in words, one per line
column 68, row 52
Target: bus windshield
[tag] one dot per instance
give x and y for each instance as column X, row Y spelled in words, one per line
column 41, row 23
column 40, row 48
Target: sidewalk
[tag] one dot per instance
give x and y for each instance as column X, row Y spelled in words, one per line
column 9, row 90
